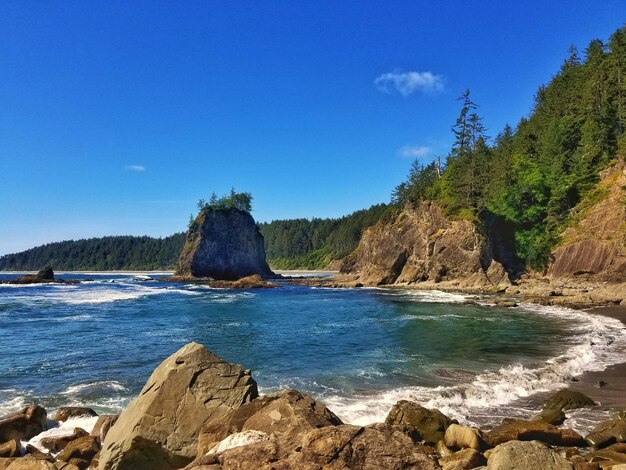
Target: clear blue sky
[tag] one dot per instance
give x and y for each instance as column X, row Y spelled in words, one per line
column 116, row 116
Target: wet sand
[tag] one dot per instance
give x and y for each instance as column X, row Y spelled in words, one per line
column 613, row 393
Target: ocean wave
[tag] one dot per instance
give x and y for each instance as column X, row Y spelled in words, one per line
column 96, row 293
column 436, row 296
column 597, row 343
column 107, row 384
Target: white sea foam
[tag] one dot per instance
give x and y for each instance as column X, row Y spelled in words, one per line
column 110, row 384
column 65, row 428
column 597, row 343
column 97, row 293
column 14, row 404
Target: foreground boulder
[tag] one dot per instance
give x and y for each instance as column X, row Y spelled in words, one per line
column 331, row 448
column 223, row 244
column 424, row 424
column 160, row 428
column 23, row 424
column 517, row 455
column 288, row 415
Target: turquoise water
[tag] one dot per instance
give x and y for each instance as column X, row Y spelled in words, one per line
column 358, row 350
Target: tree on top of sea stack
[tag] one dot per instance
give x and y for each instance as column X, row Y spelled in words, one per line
column 223, row 241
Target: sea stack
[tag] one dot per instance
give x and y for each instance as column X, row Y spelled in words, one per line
column 224, row 244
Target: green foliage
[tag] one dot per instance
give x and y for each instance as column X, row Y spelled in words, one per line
column 100, row 254
column 313, row 243
column 534, row 175
column 234, row 200
column 317, row 259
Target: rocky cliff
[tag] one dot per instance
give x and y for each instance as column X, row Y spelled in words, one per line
column 423, row 245
column 594, row 245
column 223, row 244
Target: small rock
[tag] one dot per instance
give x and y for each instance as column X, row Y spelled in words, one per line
column 518, row 430
column 66, row 412
column 607, row 433
column 102, row 426
column 602, row 384
column 463, row 460
column 30, row 463
column 429, row 424
column 83, row 448
column 567, row 399
column 12, row 448
column 24, row 424
column 553, row 416
column 463, row 437
column 57, row 444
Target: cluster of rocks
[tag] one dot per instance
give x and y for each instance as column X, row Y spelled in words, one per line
column 248, row 282
column 199, row 412
column 72, row 451
column 44, row 276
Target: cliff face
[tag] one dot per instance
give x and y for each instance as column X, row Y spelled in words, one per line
column 594, row 246
column 425, row 246
column 223, row 244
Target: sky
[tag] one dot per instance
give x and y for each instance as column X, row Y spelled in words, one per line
column 117, row 116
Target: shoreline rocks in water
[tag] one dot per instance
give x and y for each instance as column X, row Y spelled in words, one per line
column 249, row 282
column 44, row 276
column 198, row 412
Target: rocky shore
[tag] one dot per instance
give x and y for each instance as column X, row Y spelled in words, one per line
column 199, row 412
column 44, row 276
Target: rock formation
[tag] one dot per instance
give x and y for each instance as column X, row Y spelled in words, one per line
column 198, row 412
column 425, row 246
column 595, row 243
column 44, row 276
column 160, row 428
column 223, row 244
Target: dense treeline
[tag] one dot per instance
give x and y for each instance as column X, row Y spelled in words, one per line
column 312, row 243
column 100, row 254
column 534, row 175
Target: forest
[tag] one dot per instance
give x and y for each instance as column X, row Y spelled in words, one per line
column 530, row 177
column 100, row 254
column 290, row 244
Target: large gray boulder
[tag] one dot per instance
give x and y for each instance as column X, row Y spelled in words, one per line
column 159, row 429
column 223, row 244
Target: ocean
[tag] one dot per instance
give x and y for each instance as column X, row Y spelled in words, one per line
column 356, row 350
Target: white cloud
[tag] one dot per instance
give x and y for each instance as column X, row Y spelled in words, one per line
column 406, row 83
column 137, row 168
column 414, row 151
